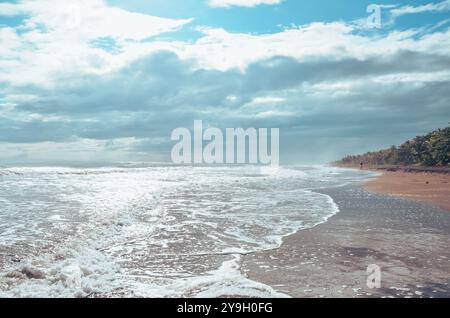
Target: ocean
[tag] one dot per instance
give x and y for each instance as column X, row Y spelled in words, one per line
column 152, row 231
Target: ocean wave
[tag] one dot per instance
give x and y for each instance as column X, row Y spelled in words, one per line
column 154, row 231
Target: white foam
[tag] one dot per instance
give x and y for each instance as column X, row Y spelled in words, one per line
column 86, row 272
column 227, row 280
column 112, row 223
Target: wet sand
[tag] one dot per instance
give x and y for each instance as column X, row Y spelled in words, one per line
column 428, row 187
column 408, row 240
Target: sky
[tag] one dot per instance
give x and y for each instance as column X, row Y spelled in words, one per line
column 108, row 81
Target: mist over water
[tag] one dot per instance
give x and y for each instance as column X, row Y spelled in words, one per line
column 156, row 231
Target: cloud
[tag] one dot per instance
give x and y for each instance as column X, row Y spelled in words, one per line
column 88, row 19
column 317, row 99
column 222, row 50
column 240, row 3
column 430, row 7
column 331, row 90
column 162, row 81
column 58, row 38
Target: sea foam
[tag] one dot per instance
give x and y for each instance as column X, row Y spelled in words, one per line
column 159, row 231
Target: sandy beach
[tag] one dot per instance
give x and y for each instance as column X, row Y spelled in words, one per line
column 407, row 239
column 420, row 186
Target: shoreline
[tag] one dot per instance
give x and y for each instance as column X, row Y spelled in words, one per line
column 408, row 240
column 391, row 168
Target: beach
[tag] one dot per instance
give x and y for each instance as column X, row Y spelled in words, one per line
column 420, row 186
column 160, row 231
column 407, row 239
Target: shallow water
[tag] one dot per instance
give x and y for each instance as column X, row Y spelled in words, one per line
column 156, row 231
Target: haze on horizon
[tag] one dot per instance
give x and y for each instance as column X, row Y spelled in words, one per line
column 108, row 81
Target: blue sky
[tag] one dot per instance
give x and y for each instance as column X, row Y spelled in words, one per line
column 108, row 80
column 269, row 18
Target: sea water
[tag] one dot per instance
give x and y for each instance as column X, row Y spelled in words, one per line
column 152, row 231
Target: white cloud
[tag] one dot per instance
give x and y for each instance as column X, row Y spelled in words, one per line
column 274, row 114
column 46, row 48
column 56, row 38
column 240, row 3
column 89, row 19
column 268, row 100
column 43, row 58
column 430, row 7
column 219, row 49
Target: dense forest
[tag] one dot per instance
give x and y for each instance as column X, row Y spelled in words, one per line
column 430, row 150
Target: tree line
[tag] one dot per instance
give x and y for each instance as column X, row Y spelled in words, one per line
column 432, row 149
